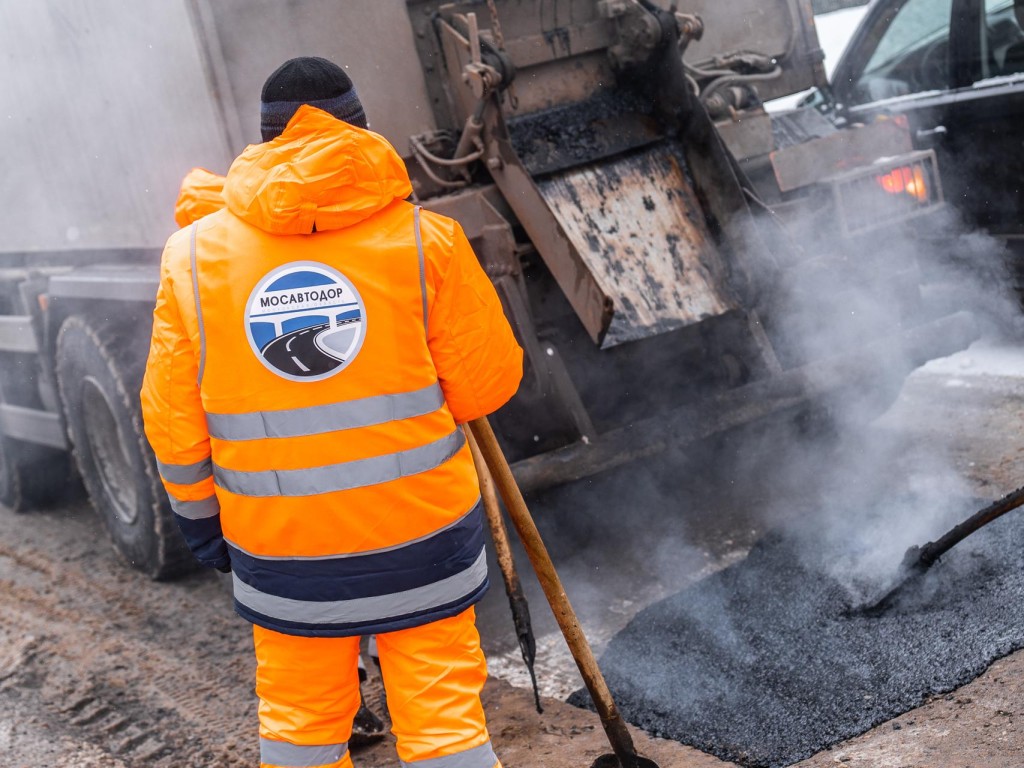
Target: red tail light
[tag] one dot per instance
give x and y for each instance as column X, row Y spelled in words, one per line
column 889, row 191
column 908, row 180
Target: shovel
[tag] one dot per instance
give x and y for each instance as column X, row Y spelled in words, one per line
column 625, row 755
column 513, row 587
column 917, row 560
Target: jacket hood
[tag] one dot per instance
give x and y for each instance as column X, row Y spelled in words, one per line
column 320, row 172
column 201, row 192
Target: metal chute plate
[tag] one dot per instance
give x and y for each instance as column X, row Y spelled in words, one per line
column 640, row 231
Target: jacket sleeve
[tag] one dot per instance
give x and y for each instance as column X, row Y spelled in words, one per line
column 175, row 425
column 478, row 361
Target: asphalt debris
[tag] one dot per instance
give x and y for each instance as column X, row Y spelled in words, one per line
column 764, row 664
column 608, row 123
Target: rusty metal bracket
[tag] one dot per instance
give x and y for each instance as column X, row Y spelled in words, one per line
column 546, row 371
column 592, row 305
column 482, row 79
column 637, row 29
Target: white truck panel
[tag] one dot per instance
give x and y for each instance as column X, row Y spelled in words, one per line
column 371, row 39
column 105, row 108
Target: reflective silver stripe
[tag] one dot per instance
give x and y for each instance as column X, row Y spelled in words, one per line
column 186, row 474
column 477, row 757
column 423, row 271
column 364, row 552
column 343, row 476
column 195, row 510
column 365, row 609
column 319, row 419
column 285, row 755
column 199, row 308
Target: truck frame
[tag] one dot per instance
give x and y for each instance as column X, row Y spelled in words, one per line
column 608, row 159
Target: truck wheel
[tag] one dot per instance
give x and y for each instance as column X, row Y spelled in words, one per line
column 99, row 372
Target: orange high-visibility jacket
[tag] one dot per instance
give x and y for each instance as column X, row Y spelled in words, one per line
column 314, row 347
column 201, row 193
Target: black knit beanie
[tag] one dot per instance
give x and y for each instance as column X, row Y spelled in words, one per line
column 307, row 80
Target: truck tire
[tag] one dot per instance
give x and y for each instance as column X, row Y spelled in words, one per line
column 100, row 363
column 31, row 475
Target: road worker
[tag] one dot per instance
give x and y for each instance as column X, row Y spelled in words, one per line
column 315, row 347
column 201, row 193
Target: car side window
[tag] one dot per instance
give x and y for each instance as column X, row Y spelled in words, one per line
column 911, row 52
column 1002, row 42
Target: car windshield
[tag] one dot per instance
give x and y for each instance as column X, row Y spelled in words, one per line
column 916, row 24
column 911, row 52
column 1002, row 42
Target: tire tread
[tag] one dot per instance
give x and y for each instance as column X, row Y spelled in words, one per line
column 123, row 351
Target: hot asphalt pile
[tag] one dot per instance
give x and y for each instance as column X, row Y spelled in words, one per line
column 763, row 664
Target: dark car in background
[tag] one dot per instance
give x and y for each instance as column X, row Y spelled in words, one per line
column 955, row 70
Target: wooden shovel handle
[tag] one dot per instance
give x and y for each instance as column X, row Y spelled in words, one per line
column 614, row 726
column 502, row 546
column 931, row 551
column 506, row 562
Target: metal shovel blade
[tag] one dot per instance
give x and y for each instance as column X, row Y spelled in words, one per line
column 611, row 761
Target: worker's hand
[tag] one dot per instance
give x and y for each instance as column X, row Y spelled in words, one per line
column 224, row 568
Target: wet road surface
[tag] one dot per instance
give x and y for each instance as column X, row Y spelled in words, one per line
column 762, row 664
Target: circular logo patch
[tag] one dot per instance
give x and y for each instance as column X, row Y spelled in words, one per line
column 305, row 321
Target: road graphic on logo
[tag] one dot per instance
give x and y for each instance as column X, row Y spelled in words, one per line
column 305, row 321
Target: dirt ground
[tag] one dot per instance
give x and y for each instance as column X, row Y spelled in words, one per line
column 101, row 668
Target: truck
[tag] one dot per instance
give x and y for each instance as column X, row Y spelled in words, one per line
column 609, row 160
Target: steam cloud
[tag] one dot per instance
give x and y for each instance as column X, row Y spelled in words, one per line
column 845, row 480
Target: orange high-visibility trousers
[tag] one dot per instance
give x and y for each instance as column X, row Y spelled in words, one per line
column 309, row 693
